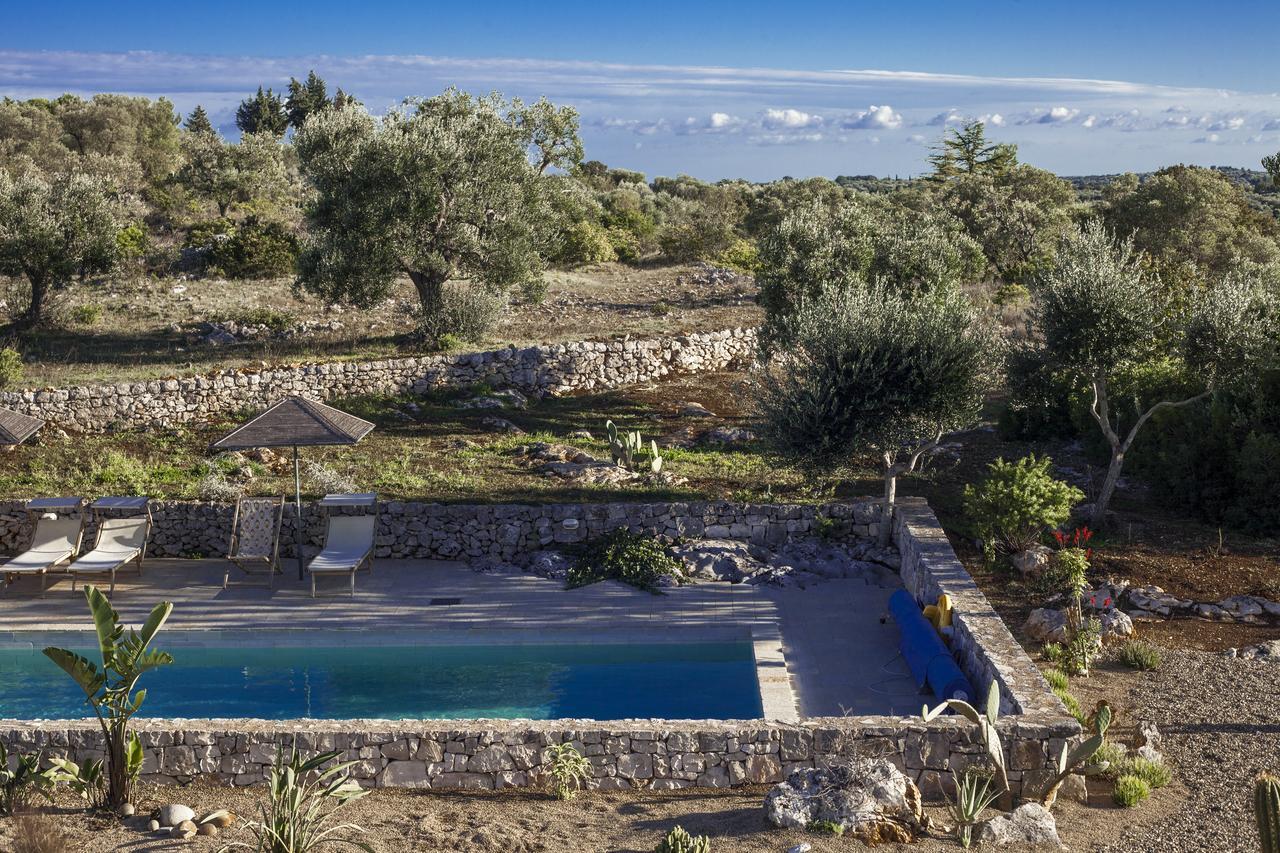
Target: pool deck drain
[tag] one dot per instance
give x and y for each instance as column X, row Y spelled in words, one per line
column 819, row 652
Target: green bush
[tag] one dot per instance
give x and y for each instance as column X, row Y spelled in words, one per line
column 467, row 313
column 1138, row 654
column 1112, row 755
column 1018, row 501
column 680, row 841
column 1011, row 294
column 566, row 770
column 1129, row 791
column 1057, row 679
column 1156, row 774
column 825, row 827
column 633, row 558
column 86, row 315
column 584, row 242
column 10, row 367
column 626, row 246
column 742, row 255
column 258, row 248
column 276, row 321
column 132, row 242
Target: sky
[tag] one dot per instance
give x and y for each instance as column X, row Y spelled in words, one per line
column 713, row 89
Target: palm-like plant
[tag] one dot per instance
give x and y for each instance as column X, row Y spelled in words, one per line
column 110, row 691
column 302, row 800
column 974, row 795
column 20, row 785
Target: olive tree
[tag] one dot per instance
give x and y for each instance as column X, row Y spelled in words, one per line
column 439, row 189
column 847, row 244
column 1097, row 314
column 871, row 369
column 53, row 230
column 551, row 132
column 230, row 175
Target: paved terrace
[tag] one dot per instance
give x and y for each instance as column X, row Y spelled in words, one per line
column 839, row 657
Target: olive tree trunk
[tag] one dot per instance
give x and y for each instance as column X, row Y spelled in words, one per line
column 1101, row 412
column 430, row 287
column 34, row 314
column 893, row 468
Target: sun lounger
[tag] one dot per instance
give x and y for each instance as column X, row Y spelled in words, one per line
column 120, row 541
column 54, row 541
column 348, row 541
column 255, row 539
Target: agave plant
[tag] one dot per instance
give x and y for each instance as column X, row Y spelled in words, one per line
column 302, row 799
column 986, row 723
column 974, row 795
column 110, row 691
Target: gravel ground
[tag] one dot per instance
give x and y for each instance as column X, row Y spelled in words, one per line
column 1221, row 728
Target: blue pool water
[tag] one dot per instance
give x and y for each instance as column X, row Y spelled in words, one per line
column 601, row 681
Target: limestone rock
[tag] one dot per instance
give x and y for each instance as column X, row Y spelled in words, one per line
column 870, row 798
column 1046, row 625
column 1032, row 561
column 496, row 424
column 184, row 830
column 719, row 560
column 1028, row 827
column 550, row 564
column 727, row 436
column 1115, row 623
column 1268, row 651
column 175, row 813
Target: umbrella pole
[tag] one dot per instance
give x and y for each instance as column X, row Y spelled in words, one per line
column 297, row 498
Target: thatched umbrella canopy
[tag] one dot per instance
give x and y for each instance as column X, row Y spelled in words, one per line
column 296, row 422
column 16, row 427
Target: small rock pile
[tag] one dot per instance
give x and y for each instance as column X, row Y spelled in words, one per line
column 179, row 821
column 226, row 332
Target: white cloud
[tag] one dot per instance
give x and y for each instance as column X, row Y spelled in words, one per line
column 789, row 118
column 1057, row 115
column 873, row 118
column 1229, row 123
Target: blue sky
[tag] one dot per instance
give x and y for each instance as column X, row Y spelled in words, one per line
column 746, row 89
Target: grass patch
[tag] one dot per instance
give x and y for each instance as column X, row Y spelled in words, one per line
column 1138, row 654
column 1129, row 791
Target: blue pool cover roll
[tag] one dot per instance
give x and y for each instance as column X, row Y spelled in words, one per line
column 927, row 656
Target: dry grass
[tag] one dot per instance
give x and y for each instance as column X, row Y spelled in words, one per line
column 144, row 328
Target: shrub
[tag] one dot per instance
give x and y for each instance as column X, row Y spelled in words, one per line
column 1138, row 654
column 86, row 315
column 301, row 800
column 633, row 558
column 584, row 242
column 325, row 478
column 741, row 254
column 21, row 783
column 679, row 841
column 1018, row 502
column 1129, row 791
column 276, row 321
column 626, row 246
column 132, row 242
column 1057, row 679
column 1111, row 755
column 1011, row 293
column 566, row 771
column 466, row 313
column 258, row 248
column 10, row 367
column 1156, row 774
column 825, row 827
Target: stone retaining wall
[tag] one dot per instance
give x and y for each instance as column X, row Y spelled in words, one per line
column 490, row 754
column 540, row 370
column 498, row 532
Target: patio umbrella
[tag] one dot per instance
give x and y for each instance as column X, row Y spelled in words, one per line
column 296, row 422
column 16, row 427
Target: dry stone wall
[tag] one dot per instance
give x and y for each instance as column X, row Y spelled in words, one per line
column 495, row 532
column 488, row 754
column 541, row 370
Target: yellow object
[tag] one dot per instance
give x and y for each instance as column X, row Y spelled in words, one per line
column 939, row 615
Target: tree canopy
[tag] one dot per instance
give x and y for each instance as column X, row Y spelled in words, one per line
column 966, row 151
column 438, row 189
column 263, row 113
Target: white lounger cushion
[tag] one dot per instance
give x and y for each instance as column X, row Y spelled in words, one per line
column 119, row 541
column 54, row 541
column 349, row 542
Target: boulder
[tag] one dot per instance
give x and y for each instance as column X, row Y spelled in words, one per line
column 175, row 813
column 1046, row 625
column 495, row 424
column 1155, row 600
column 869, row 797
column 1032, row 561
column 1268, row 651
column 1115, row 623
column 1028, row 827
column 719, row 560
column 550, row 564
column 727, row 436
column 694, row 410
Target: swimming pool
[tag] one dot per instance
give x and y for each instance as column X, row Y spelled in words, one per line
column 331, row 678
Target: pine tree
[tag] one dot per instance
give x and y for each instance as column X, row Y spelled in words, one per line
column 966, row 151
column 306, row 98
column 198, row 122
column 263, row 113
column 342, row 99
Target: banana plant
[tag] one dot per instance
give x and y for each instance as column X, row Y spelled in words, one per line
column 986, row 723
column 1068, row 761
column 111, row 690
column 20, row 785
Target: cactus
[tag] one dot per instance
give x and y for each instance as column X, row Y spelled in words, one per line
column 655, row 460
column 624, row 447
column 679, row 841
column 1266, row 807
column 986, row 723
column 1069, row 760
